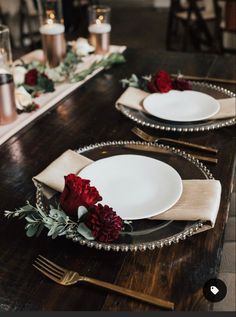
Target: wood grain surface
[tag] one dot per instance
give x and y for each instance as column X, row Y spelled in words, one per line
column 176, row 273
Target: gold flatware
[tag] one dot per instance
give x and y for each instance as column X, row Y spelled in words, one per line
column 152, row 148
column 66, row 277
column 222, row 118
column 210, row 79
column 151, row 138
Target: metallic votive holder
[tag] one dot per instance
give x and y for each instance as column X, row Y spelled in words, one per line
column 8, row 112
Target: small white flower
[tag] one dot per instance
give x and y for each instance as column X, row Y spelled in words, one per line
column 19, row 74
column 82, row 47
column 55, row 74
column 23, row 98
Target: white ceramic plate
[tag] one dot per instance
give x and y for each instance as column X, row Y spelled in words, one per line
column 185, row 106
column 135, row 186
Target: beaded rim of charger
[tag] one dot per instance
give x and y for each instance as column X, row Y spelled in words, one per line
column 135, row 116
column 187, row 232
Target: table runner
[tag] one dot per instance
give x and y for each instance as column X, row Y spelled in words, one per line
column 48, row 100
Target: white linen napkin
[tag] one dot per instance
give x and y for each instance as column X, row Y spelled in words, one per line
column 199, row 201
column 133, row 98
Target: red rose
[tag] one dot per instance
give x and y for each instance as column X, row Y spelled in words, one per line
column 31, row 77
column 78, row 192
column 160, row 82
column 104, row 223
column 181, row 84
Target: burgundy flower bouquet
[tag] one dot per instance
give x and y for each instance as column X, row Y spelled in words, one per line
column 37, row 82
column 160, row 82
column 103, row 222
column 78, row 212
column 30, row 82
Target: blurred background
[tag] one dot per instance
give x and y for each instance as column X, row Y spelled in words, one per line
column 179, row 25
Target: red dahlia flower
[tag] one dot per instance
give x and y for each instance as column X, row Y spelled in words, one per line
column 181, row 84
column 160, row 82
column 104, row 223
column 78, row 192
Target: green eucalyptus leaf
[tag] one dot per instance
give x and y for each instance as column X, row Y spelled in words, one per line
column 52, row 230
column 54, row 235
column 45, row 84
column 31, row 230
column 57, row 214
column 7, row 213
column 40, row 212
column 28, row 225
column 58, row 230
column 67, row 229
column 61, row 230
column 48, row 221
column 30, row 219
column 106, row 62
column 40, row 229
column 85, row 231
column 82, row 210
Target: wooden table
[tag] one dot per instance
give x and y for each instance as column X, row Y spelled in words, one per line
column 87, row 116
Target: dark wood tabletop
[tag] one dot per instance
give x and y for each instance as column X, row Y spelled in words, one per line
column 176, row 273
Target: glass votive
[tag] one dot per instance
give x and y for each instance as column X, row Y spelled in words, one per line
column 99, row 28
column 8, row 112
column 52, row 30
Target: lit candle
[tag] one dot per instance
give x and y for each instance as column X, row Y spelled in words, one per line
column 99, row 28
column 52, row 28
column 54, row 45
column 50, row 16
column 100, row 36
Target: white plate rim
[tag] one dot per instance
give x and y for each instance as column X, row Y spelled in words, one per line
column 152, row 214
column 163, row 117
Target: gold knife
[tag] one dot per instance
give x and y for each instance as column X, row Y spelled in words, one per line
column 152, row 148
column 211, row 79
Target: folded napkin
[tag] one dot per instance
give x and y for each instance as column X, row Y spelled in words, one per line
column 52, row 177
column 133, row 98
column 199, row 201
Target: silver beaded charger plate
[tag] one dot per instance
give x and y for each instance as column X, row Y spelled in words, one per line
column 142, row 234
column 206, row 125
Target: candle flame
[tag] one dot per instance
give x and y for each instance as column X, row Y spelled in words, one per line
column 100, row 19
column 50, row 16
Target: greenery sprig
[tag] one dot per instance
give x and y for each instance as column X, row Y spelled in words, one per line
column 106, row 62
column 55, row 220
column 70, row 62
column 136, row 82
column 160, row 82
column 35, row 78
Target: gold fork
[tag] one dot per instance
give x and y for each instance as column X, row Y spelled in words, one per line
column 151, row 138
column 66, row 277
